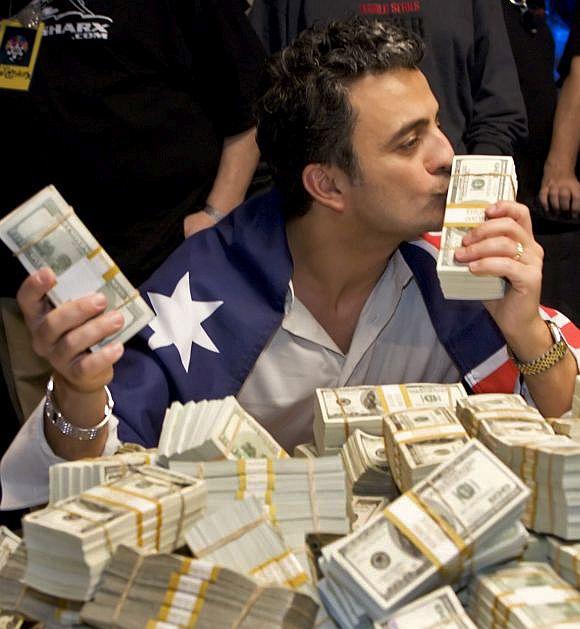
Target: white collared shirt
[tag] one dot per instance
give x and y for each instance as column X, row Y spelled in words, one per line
column 394, row 342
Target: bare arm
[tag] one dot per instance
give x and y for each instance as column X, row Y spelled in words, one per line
column 237, row 165
column 560, row 189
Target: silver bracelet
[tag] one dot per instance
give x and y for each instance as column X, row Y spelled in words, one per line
column 55, row 417
column 211, row 211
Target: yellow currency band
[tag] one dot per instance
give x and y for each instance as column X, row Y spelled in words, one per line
column 158, row 510
column 115, row 503
column 406, row 531
column 463, row 548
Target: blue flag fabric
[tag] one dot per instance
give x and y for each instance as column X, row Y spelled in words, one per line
column 220, row 297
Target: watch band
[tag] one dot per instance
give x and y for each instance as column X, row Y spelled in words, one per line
column 211, row 211
column 53, row 414
column 548, row 359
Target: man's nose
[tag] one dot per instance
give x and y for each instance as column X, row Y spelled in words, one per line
column 441, row 155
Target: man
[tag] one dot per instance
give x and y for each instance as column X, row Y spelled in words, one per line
column 311, row 286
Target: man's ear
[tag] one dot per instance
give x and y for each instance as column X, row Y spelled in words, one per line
column 326, row 185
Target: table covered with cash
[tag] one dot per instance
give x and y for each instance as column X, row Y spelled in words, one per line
column 417, row 506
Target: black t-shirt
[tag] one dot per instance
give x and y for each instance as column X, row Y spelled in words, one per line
column 126, row 114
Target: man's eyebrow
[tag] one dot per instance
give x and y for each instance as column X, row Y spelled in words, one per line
column 414, row 125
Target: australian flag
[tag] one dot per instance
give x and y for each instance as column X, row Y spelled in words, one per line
column 220, row 297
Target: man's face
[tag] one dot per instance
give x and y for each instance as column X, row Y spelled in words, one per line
column 404, row 157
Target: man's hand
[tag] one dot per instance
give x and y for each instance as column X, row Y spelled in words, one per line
column 64, row 335
column 493, row 249
column 504, row 246
column 560, row 193
column 196, row 222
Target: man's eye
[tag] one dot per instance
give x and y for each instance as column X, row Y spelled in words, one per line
column 410, row 144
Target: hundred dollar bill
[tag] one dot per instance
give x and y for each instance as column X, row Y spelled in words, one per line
column 45, row 231
column 404, row 552
column 477, row 181
column 441, row 608
column 338, row 412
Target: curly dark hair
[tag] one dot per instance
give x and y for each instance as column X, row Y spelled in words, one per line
column 304, row 114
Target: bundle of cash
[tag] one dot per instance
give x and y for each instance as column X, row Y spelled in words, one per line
column 338, row 412
column 477, row 181
column 362, row 508
column 422, row 537
column 241, row 537
column 568, row 426
column 70, row 542
column 45, row 231
column 367, row 470
column 549, row 465
column 508, row 543
column 576, row 399
column 417, row 441
column 441, row 608
column 73, row 477
column 495, row 408
column 522, row 595
column 565, row 559
column 301, row 495
column 170, row 591
column 15, row 596
column 305, row 450
column 214, row 429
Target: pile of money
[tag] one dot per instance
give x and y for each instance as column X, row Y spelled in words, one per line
column 417, row 441
column 241, row 537
column 170, row 591
column 73, row 477
column 45, row 231
column 522, row 595
column 301, row 495
column 568, row 426
column 576, row 399
column 15, row 596
column 565, row 559
column 214, row 429
column 422, row 538
column 367, row 470
column 339, row 412
column 441, row 608
column 70, row 542
column 477, row 181
column 549, row 465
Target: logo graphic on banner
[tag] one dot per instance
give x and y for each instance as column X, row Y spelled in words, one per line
column 74, row 19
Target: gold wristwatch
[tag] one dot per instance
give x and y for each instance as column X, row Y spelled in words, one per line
column 549, row 358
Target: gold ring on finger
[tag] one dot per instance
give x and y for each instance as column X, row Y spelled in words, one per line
column 519, row 251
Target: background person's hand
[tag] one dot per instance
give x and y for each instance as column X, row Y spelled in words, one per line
column 64, row 335
column 560, row 193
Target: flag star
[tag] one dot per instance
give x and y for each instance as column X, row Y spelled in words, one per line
column 178, row 321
